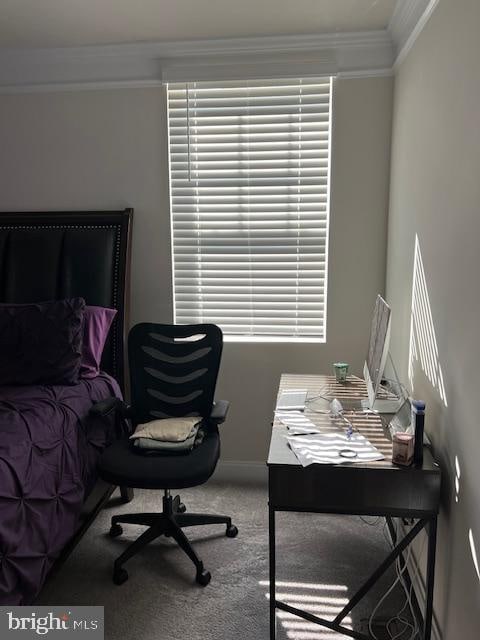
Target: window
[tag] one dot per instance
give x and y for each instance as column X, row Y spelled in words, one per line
column 249, row 189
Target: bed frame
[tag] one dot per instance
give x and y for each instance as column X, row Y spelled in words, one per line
column 65, row 254
column 55, row 255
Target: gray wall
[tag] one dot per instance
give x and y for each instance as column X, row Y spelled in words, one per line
column 435, row 196
column 107, row 149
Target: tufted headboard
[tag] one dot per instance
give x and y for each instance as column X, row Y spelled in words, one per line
column 64, row 254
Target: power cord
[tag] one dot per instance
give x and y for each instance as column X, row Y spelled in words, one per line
column 408, row 594
column 318, row 397
column 408, row 599
column 381, row 601
column 335, row 410
column 396, row 383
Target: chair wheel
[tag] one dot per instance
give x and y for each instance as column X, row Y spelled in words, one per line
column 232, row 531
column 203, row 577
column 181, row 508
column 120, row 575
column 115, row 531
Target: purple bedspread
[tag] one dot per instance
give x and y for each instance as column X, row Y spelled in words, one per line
column 48, row 453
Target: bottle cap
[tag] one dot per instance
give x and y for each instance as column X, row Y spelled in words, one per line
column 419, row 404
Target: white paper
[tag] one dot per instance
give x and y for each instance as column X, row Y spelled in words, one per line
column 325, row 448
column 292, row 400
column 296, row 422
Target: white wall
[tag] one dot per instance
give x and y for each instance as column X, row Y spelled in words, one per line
column 107, row 149
column 435, row 196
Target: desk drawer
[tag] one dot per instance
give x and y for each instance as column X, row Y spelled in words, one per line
column 353, row 490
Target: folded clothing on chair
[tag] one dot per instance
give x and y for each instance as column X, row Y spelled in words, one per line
column 172, row 435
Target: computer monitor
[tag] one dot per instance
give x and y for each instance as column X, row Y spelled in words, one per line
column 376, row 359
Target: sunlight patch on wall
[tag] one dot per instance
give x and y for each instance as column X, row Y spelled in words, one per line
column 458, row 474
column 473, row 551
column 423, row 342
column 471, row 539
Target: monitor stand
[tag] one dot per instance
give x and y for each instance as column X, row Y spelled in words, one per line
column 393, row 395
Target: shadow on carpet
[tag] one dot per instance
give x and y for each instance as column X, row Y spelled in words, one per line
column 321, row 561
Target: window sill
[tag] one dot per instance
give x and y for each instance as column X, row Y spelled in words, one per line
column 273, row 339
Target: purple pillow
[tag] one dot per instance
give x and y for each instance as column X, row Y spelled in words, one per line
column 41, row 343
column 98, row 321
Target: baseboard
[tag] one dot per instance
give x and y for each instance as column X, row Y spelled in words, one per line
column 241, row 472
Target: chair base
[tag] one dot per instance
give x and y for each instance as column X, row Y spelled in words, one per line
column 168, row 523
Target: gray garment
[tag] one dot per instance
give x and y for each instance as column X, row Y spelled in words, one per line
column 158, row 445
column 171, row 447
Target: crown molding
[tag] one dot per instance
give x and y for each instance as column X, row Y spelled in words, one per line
column 346, row 55
column 407, row 22
column 366, row 73
column 79, row 86
column 142, row 65
column 150, row 64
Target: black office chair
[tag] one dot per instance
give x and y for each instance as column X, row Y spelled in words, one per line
column 173, row 373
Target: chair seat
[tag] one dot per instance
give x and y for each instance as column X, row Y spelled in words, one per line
column 120, row 464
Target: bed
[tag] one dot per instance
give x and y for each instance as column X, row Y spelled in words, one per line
column 49, row 443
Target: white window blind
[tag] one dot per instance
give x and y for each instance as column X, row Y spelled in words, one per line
column 249, row 189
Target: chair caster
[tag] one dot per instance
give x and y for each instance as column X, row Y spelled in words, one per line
column 115, row 531
column 181, row 508
column 232, row 531
column 120, row 575
column 203, row 577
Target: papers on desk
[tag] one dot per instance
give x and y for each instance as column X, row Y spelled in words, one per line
column 313, row 444
column 332, row 448
column 296, row 422
column 293, row 399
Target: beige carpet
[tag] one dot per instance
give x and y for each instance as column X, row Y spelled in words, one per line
column 321, row 560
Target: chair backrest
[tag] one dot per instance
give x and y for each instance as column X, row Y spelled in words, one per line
column 173, row 369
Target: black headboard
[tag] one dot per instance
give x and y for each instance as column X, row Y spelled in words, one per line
column 64, row 254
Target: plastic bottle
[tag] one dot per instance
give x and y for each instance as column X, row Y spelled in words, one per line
column 418, row 423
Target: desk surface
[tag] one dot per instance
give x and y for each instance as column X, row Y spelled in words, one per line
column 351, row 487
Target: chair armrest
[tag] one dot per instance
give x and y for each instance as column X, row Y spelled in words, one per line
column 106, row 407
column 117, row 411
column 219, row 411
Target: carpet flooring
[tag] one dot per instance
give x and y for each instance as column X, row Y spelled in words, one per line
column 321, row 561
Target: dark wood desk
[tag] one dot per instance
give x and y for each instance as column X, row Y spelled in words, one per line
column 371, row 488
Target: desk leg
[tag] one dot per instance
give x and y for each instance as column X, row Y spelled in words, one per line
column 271, row 548
column 432, row 543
